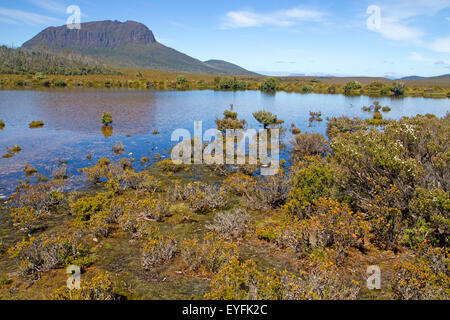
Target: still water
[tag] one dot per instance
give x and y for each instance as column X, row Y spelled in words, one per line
column 73, row 129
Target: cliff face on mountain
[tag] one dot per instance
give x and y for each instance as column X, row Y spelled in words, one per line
column 104, row 34
column 127, row 44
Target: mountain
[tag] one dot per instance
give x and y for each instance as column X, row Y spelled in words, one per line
column 227, row 67
column 423, row 78
column 412, row 78
column 127, row 44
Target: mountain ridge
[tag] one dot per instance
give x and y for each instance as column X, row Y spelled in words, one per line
column 128, row 44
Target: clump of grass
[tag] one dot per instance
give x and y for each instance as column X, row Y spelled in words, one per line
column 30, row 170
column 155, row 132
column 315, row 116
column 8, row 155
column 15, row 149
column 36, row 124
column 2, row 124
column 386, row 109
column 296, row 131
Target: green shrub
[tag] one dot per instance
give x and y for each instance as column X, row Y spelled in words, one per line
column 352, row 85
column 99, row 287
column 313, row 179
column 398, row 88
column 266, row 118
column 107, row 118
column 307, row 89
column 269, row 85
column 87, row 207
column 181, row 80
column 60, row 83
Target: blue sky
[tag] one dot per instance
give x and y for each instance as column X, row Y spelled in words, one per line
column 305, row 37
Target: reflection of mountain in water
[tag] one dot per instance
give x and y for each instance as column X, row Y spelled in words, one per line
column 80, row 111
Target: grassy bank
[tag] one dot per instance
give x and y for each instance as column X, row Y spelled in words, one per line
column 158, row 80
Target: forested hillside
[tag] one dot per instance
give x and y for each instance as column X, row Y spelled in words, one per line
column 24, row 61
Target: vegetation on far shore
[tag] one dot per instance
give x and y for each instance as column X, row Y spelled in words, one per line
column 159, row 80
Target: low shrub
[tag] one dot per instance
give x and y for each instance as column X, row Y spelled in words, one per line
column 25, row 218
column 269, row 192
column 328, row 225
column 426, row 277
column 44, row 198
column 204, row 198
column 43, row 253
column 87, row 207
column 230, row 225
column 97, row 172
column 158, row 251
column 308, row 144
column 207, row 255
column 99, row 287
column 106, row 118
column 243, row 281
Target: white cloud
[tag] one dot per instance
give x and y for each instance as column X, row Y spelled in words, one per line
column 448, row 18
column 26, row 17
column 397, row 17
column 416, row 57
column 394, row 30
column 406, row 9
column 441, row 45
column 284, row 18
column 49, row 5
column 7, row 20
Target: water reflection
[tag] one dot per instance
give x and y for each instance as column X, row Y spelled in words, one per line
column 107, row 131
column 73, row 131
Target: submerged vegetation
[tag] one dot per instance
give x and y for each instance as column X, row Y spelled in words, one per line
column 365, row 196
